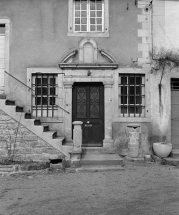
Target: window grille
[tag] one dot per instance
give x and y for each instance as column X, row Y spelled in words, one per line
column 131, row 95
column 88, row 15
column 44, row 97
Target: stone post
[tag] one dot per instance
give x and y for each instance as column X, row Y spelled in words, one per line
column 108, row 141
column 77, row 141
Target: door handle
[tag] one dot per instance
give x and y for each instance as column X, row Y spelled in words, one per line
column 88, row 122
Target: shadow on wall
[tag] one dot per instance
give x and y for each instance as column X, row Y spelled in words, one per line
column 121, row 136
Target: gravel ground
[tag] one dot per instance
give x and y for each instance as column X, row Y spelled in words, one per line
column 139, row 189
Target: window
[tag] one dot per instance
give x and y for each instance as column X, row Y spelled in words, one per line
column 88, row 17
column 131, row 95
column 44, row 95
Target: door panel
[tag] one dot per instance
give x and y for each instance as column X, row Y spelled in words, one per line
column 175, row 112
column 88, row 107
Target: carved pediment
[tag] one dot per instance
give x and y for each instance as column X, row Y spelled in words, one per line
column 88, row 56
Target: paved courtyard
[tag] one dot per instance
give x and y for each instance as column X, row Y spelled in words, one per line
column 146, row 189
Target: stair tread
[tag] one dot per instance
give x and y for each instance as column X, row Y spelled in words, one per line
column 98, row 157
column 99, row 168
column 58, row 137
column 175, row 151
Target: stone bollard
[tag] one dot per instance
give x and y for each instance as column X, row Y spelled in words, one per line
column 133, row 141
column 77, row 140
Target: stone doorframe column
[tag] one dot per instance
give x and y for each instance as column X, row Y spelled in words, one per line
column 108, row 81
column 108, row 141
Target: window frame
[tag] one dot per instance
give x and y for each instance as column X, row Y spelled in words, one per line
column 49, row 109
column 71, row 22
column 128, row 95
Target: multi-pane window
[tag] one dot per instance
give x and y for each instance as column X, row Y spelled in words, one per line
column 131, row 95
column 44, row 97
column 88, row 15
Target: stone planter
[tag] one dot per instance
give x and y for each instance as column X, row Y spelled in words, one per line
column 162, row 149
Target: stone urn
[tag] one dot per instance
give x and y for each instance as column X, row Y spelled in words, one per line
column 162, row 149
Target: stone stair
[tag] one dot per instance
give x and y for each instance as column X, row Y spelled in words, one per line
column 173, row 160
column 100, row 157
column 34, row 125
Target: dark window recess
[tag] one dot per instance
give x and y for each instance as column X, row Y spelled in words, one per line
column 131, row 95
column 175, row 84
column 44, row 95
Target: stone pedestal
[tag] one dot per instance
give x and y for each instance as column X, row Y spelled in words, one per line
column 75, row 155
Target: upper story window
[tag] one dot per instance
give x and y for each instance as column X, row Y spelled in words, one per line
column 88, row 18
column 88, row 15
column 131, row 95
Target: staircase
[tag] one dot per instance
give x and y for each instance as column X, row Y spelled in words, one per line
column 34, row 125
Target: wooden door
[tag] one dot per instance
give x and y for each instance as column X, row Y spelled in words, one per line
column 175, row 112
column 88, row 107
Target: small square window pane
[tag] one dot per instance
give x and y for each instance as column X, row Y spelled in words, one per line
column 138, row 100
column 52, row 91
column 38, row 91
column 77, row 13
column 83, row 14
column 99, row 27
column 131, row 80
column 123, row 99
column 92, row 13
column 84, row 21
column 37, row 81
column 77, row 21
column 38, row 101
column 124, row 109
column 131, row 109
column 92, row 6
column 44, row 101
column 52, row 81
column 99, row 21
column 52, row 101
column 44, row 91
column 44, row 81
column 99, row 6
column 123, row 80
column 139, row 110
column 131, row 90
column 92, row 28
column 124, row 90
column 77, row 5
column 138, row 90
column 83, row 27
column 77, row 27
column 99, row 13
column 92, row 21
column 83, row 6
column 138, row 80
column 131, row 100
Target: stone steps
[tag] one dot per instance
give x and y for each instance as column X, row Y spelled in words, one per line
column 35, row 126
column 101, row 159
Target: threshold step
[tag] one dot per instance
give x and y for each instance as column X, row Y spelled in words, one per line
column 101, row 159
column 101, row 168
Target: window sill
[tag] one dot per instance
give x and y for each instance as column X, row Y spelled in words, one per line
column 89, row 34
column 133, row 119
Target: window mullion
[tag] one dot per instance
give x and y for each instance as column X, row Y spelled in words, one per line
column 88, row 15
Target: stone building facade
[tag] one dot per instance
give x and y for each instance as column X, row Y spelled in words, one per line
column 88, row 61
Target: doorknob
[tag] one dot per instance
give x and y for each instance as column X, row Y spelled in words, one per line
column 87, row 121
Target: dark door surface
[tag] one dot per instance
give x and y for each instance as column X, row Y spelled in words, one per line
column 88, row 107
column 175, row 112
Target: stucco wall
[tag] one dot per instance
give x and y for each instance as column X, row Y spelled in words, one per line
column 38, row 34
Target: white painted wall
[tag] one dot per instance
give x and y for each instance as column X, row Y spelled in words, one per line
column 166, row 24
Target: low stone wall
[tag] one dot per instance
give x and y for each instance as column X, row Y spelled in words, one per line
column 28, row 146
column 121, row 135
